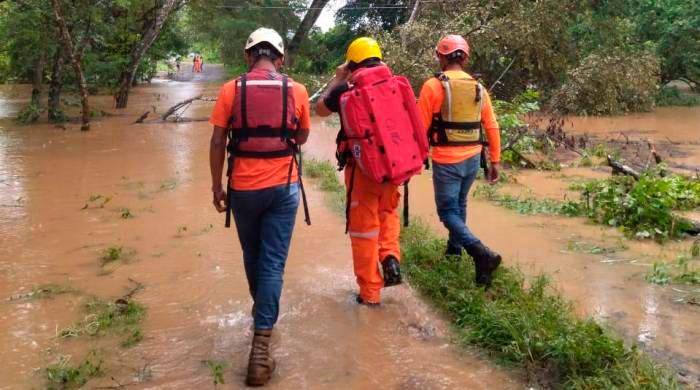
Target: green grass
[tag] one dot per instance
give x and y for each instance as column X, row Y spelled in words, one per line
column 326, row 177
column 63, row 375
column 682, row 271
column 525, row 322
column 103, row 317
column 595, row 249
column 528, row 205
column 216, row 368
column 115, row 253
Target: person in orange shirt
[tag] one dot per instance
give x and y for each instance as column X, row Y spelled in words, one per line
column 265, row 116
column 373, row 222
column 456, row 109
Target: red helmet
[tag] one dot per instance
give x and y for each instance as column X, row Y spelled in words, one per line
column 451, row 44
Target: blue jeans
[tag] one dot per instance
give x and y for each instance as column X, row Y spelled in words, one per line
column 452, row 183
column 265, row 221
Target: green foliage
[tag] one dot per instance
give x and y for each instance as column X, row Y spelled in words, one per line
column 113, row 253
column 679, row 272
column 216, row 369
column 525, row 322
column 672, row 96
column 61, row 375
column 528, row 205
column 610, row 83
column 644, row 208
column 29, row 114
column 327, row 178
column 122, row 317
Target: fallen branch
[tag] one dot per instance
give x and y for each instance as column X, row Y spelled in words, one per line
column 143, row 117
column 179, row 105
column 621, row 169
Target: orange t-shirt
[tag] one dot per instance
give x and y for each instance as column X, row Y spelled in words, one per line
column 258, row 173
column 429, row 103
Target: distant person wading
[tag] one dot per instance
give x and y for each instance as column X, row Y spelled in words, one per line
column 265, row 116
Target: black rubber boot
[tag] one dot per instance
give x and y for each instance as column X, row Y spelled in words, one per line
column 485, row 261
column 453, row 250
column 392, row 271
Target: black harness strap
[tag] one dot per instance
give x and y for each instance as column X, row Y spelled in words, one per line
column 348, row 197
column 405, row 204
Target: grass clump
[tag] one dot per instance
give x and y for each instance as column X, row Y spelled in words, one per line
column 679, row 272
column 122, row 317
column 528, row 205
column 115, row 253
column 525, row 322
column 126, row 213
column 327, row 178
column 594, row 249
column 62, row 375
column 644, row 208
column 216, row 368
column 96, row 201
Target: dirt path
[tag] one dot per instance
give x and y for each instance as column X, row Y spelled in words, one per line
column 195, row 291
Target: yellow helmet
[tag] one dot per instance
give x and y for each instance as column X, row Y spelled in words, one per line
column 363, row 48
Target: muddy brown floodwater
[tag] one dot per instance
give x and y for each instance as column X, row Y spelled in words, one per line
column 195, row 289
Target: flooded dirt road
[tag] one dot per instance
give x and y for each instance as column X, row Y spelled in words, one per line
column 195, row 290
column 595, row 266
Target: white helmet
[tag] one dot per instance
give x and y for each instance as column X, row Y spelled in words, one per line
column 265, row 35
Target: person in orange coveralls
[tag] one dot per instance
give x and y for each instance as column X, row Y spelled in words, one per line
column 373, row 222
column 454, row 128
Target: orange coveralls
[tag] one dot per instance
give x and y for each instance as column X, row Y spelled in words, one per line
column 373, row 228
column 374, row 223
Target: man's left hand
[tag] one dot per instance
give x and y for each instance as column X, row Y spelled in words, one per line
column 494, row 173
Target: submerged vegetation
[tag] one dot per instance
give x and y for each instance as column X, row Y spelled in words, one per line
column 644, row 208
column 525, row 322
column 122, row 317
column 62, row 375
column 521, row 322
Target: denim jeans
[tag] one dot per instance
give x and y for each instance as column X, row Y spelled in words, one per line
column 265, row 221
column 452, row 183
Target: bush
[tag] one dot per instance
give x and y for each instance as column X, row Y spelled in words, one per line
column 644, row 208
column 606, row 84
column 672, row 96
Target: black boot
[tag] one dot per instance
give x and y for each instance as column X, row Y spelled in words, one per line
column 391, row 270
column 453, row 250
column 485, row 261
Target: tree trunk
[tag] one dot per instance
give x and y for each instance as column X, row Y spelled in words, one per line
column 309, row 20
column 55, row 86
column 38, row 78
column 67, row 42
column 149, row 34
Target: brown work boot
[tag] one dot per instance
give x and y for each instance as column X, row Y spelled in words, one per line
column 260, row 365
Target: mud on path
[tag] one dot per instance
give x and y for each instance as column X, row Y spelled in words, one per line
column 195, row 290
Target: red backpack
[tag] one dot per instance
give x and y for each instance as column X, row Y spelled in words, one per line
column 385, row 134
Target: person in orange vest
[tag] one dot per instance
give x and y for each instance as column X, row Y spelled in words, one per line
column 265, row 116
column 373, row 221
column 457, row 111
